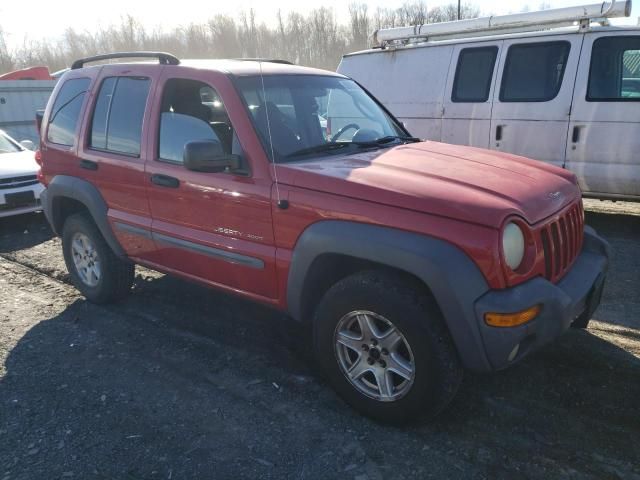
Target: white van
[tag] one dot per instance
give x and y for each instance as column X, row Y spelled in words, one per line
column 564, row 95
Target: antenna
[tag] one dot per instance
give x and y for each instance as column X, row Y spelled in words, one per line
column 283, row 204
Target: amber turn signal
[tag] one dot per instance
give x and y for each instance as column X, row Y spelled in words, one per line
column 511, row 319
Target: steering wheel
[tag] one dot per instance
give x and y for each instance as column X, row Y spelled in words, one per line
column 340, row 132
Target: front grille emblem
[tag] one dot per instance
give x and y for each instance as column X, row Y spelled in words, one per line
column 553, row 195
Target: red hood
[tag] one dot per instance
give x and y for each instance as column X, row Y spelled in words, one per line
column 470, row 184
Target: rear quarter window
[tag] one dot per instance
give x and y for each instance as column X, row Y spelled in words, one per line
column 65, row 113
column 533, row 72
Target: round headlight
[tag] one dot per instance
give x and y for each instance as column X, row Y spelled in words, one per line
column 513, row 245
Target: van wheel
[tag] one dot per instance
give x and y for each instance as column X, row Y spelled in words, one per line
column 383, row 346
column 95, row 270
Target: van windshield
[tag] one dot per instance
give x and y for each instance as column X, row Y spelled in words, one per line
column 310, row 115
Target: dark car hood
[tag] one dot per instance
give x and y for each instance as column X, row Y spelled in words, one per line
column 471, row 184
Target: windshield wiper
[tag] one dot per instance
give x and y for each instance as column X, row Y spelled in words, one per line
column 331, row 146
column 387, row 139
column 323, row 147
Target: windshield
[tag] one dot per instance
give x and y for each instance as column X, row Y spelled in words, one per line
column 7, row 146
column 311, row 115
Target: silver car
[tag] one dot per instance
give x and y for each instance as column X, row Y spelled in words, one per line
column 19, row 186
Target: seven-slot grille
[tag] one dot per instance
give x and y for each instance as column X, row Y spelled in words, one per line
column 17, row 182
column 562, row 241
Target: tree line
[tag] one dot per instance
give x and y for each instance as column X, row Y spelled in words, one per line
column 317, row 39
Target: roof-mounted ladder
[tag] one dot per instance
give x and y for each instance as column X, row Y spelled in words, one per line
column 494, row 25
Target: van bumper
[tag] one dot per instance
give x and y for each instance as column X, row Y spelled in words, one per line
column 576, row 296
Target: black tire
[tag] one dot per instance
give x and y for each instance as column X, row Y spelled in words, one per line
column 116, row 275
column 414, row 313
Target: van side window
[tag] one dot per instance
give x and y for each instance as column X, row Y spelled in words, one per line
column 66, row 111
column 192, row 111
column 533, row 72
column 473, row 74
column 118, row 114
column 614, row 75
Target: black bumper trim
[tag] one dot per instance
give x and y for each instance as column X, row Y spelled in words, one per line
column 577, row 294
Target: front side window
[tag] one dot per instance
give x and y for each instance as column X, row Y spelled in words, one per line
column 66, row 111
column 311, row 115
column 614, row 75
column 474, row 72
column 192, row 111
column 118, row 115
column 533, row 72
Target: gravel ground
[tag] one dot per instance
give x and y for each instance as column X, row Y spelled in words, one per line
column 182, row 382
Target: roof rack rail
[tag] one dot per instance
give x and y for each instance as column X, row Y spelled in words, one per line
column 163, row 58
column 267, row 60
column 514, row 23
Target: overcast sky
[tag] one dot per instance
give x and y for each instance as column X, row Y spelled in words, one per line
column 47, row 18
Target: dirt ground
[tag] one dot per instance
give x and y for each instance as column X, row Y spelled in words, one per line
column 182, row 382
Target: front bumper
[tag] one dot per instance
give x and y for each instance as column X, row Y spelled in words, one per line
column 576, row 295
column 8, row 208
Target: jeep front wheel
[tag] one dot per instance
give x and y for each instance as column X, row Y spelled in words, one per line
column 95, row 270
column 383, row 346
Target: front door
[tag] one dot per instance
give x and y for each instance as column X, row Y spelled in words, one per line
column 604, row 133
column 214, row 227
column 532, row 101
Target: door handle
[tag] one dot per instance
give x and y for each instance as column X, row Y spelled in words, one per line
column 498, row 133
column 88, row 164
column 575, row 135
column 165, row 180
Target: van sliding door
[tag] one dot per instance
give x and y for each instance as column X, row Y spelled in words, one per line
column 604, row 133
column 466, row 117
column 532, row 100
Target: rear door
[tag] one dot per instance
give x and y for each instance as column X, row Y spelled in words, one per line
column 112, row 154
column 604, row 140
column 467, row 103
column 532, row 101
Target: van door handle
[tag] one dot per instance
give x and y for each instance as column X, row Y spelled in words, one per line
column 165, row 180
column 498, row 133
column 88, row 164
column 575, row 135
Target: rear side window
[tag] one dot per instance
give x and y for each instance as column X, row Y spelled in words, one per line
column 533, row 72
column 614, row 75
column 117, row 118
column 66, row 111
column 473, row 74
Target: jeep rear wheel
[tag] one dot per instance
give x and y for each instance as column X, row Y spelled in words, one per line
column 383, row 346
column 95, row 270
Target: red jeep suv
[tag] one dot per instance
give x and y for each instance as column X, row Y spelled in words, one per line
column 411, row 261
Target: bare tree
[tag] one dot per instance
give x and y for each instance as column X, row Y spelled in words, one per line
column 6, row 62
column 224, row 37
column 316, row 39
column 448, row 13
column 360, row 26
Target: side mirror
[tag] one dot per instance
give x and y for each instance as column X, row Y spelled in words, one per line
column 208, row 156
column 28, row 144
